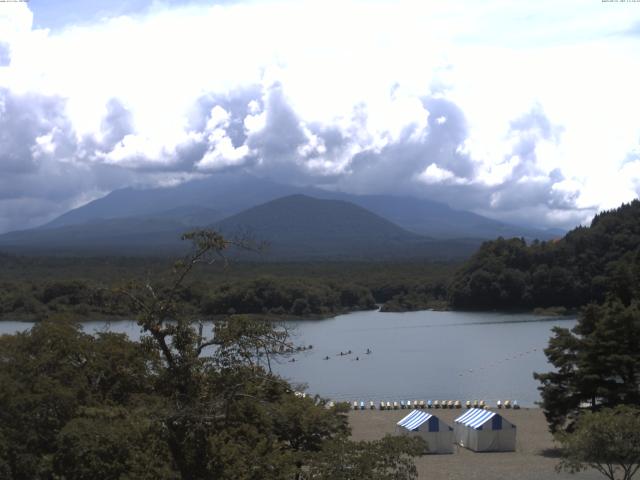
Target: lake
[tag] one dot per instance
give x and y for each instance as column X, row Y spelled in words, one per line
column 414, row 355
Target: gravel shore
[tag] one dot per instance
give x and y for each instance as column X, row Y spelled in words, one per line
column 534, row 458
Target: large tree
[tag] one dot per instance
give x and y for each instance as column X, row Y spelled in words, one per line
column 607, row 441
column 597, row 364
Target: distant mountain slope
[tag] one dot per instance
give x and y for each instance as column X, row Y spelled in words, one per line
column 297, row 227
column 123, row 236
column 153, row 233
column 226, row 193
column 438, row 220
column 232, row 193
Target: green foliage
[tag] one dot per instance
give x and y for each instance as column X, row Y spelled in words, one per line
column 279, row 296
column 587, row 265
column 111, row 443
column 597, row 364
column 49, row 374
column 386, row 459
column 181, row 404
column 607, row 441
column 84, row 288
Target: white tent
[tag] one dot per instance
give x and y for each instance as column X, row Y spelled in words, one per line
column 484, row 431
column 439, row 435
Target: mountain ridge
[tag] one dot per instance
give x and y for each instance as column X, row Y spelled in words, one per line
column 230, row 194
column 297, row 227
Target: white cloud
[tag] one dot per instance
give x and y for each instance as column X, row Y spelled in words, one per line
column 355, row 103
column 435, row 174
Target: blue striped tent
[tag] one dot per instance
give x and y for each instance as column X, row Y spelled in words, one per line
column 438, row 435
column 484, row 431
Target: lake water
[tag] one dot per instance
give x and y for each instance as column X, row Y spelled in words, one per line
column 415, row 355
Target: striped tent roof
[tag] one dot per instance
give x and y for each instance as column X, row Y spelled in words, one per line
column 475, row 418
column 414, row 419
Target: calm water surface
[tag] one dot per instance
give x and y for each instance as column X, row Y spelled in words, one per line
column 416, row 355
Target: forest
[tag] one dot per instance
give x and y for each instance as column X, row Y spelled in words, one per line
column 34, row 288
column 588, row 265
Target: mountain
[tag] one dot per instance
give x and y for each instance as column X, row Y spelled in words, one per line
column 296, row 227
column 302, row 227
column 226, row 193
column 438, row 220
column 230, row 194
column 157, row 233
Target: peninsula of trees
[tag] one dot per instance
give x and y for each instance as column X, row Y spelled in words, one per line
column 586, row 266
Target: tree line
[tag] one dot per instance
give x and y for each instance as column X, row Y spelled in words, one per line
column 38, row 290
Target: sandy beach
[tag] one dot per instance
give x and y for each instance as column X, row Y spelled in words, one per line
column 534, row 458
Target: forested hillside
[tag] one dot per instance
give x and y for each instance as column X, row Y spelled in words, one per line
column 585, row 266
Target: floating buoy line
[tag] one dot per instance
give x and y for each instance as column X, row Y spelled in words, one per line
column 513, row 356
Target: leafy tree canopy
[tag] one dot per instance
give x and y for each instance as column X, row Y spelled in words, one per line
column 597, row 364
column 607, row 441
column 587, row 265
column 180, row 404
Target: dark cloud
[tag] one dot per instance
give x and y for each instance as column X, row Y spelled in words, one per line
column 235, row 102
column 277, row 147
column 25, row 122
column 45, row 170
column 529, row 186
column 529, row 130
column 445, row 142
column 395, row 167
column 5, row 54
column 116, row 124
column 281, row 136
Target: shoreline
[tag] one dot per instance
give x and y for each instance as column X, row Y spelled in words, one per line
column 535, row 456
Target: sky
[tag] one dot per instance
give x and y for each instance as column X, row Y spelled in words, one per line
column 527, row 112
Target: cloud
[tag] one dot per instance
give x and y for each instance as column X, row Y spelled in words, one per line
column 633, row 30
column 401, row 98
column 5, row 54
column 32, row 128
